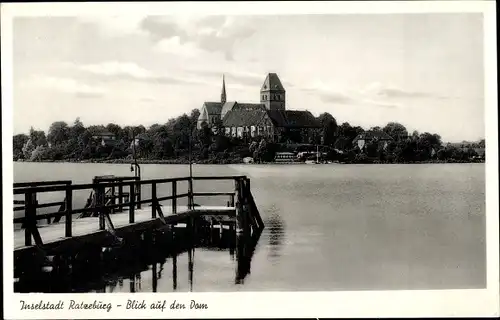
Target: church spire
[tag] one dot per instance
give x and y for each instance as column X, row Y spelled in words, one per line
column 223, row 94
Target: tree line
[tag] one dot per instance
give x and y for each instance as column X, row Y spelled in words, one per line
column 174, row 140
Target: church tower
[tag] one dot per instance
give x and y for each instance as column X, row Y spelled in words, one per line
column 223, row 93
column 272, row 93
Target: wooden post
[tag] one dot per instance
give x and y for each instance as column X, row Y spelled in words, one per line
column 231, row 200
column 211, row 230
column 190, row 268
column 153, row 200
column 120, row 197
column 238, row 206
column 28, row 212
column 174, row 271
column 244, row 207
column 131, row 212
column 249, row 209
column 100, row 204
column 174, row 197
column 155, row 277
column 190, row 194
column 138, row 190
column 69, row 213
column 96, row 196
column 247, row 184
column 113, row 197
column 30, row 216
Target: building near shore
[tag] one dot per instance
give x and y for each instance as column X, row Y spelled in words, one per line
column 362, row 139
column 269, row 118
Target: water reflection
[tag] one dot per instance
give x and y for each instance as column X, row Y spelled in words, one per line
column 190, row 268
column 141, row 262
column 174, row 272
column 275, row 227
column 245, row 249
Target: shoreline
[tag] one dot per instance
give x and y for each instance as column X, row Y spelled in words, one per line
column 206, row 162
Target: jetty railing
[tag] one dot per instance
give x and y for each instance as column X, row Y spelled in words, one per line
column 34, row 202
column 241, row 199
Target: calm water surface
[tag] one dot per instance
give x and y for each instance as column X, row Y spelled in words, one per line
column 329, row 227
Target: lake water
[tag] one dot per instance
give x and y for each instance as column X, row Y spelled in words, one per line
column 331, row 227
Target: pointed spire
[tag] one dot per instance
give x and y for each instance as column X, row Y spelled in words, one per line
column 223, row 94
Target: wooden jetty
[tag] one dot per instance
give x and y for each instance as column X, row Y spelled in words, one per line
column 115, row 210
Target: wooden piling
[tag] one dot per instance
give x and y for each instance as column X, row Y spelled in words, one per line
column 238, row 205
column 190, row 193
column 113, row 198
column 174, row 271
column 138, row 190
column 131, row 212
column 120, row 197
column 69, row 212
column 154, row 202
column 155, row 277
column 28, row 213
column 100, row 207
column 174, row 197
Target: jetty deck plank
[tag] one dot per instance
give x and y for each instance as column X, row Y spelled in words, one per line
column 55, row 232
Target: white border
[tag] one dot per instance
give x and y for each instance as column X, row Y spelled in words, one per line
column 419, row 303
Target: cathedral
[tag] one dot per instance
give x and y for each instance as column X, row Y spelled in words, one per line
column 269, row 118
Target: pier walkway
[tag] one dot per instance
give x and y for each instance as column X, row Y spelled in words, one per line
column 116, row 209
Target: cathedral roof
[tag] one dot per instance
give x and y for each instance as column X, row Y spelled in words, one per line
column 272, row 82
column 226, row 107
column 213, row 107
column 244, row 115
column 293, row 119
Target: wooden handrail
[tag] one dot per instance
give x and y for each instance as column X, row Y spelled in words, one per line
column 93, row 185
column 116, row 184
column 213, row 194
column 92, row 209
column 42, row 205
column 218, row 177
column 41, row 183
column 113, row 179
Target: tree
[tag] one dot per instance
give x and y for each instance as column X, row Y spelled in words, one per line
column 116, row 130
column 482, row 143
column 204, row 135
column 193, row 117
column 37, row 137
column 346, row 131
column 329, row 128
column 415, row 135
column 28, row 149
column 396, row 130
column 18, row 142
column 58, row 133
column 77, row 129
column 428, row 142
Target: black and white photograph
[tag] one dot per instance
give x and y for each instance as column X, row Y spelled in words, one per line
column 164, row 152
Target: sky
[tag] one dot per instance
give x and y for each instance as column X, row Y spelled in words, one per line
column 422, row 70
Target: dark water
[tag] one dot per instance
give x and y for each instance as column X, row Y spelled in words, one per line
column 328, row 227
